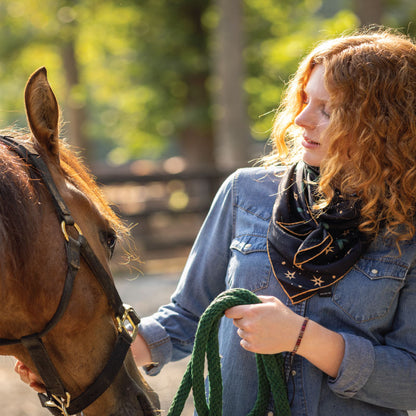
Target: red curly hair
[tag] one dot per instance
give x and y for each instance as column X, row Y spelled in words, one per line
column 371, row 81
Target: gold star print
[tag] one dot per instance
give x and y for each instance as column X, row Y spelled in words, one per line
column 329, row 249
column 317, row 281
column 290, row 275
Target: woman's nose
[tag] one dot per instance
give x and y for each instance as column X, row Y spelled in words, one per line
column 306, row 118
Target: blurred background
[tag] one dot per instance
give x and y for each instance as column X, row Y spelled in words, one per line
column 164, row 98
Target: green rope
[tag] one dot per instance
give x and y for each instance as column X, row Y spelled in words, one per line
column 269, row 367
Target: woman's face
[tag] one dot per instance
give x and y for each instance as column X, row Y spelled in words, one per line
column 314, row 118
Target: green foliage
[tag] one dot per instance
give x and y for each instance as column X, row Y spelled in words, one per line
column 145, row 66
column 400, row 14
column 281, row 33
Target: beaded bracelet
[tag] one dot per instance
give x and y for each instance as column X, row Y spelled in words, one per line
column 301, row 332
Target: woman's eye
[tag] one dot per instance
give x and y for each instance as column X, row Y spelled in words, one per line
column 325, row 113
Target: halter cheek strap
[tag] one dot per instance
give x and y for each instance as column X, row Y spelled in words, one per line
column 57, row 399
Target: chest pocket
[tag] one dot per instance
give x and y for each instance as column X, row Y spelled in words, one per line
column 370, row 290
column 249, row 266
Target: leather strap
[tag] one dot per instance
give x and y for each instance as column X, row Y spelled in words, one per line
column 106, row 377
column 43, row 363
column 102, row 276
column 45, row 402
column 37, row 162
column 100, row 384
column 73, row 256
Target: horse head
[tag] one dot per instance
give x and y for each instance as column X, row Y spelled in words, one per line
column 59, row 311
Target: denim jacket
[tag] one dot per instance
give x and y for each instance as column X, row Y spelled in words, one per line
column 373, row 307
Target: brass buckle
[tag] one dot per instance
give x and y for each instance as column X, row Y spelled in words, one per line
column 60, row 403
column 129, row 321
column 64, row 231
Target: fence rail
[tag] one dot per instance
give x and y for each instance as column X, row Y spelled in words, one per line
column 166, row 210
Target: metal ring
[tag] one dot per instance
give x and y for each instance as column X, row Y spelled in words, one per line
column 61, row 403
column 65, row 233
column 127, row 321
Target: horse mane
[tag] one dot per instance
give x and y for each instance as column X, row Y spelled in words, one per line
column 76, row 172
column 20, row 194
column 19, row 197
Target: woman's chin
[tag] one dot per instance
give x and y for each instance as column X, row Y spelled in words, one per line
column 312, row 159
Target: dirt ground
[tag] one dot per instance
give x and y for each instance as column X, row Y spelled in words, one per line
column 145, row 293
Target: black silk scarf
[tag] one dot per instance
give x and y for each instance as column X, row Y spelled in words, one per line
column 311, row 249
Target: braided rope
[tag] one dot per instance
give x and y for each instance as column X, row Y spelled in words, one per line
column 269, row 367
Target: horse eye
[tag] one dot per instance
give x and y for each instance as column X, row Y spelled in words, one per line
column 109, row 239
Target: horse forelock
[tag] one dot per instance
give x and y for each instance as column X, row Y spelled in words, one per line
column 18, row 199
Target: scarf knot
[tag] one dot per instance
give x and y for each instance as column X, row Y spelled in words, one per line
column 311, row 249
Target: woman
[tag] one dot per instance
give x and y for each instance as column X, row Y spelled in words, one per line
column 326, row 239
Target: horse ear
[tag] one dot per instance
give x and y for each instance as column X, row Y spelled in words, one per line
column 42, row 112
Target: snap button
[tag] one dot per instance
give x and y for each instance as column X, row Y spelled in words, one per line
column 374, row 271
column 293, row 373
column 269, row 413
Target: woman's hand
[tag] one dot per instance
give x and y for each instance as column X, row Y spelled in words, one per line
column 29, row 378
column 141, row 352
column 266, row 328
column 271, row 327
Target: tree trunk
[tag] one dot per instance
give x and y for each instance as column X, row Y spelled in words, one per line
column 196, row 138
column 75, row 108
column 369, row 12
column 231, row 128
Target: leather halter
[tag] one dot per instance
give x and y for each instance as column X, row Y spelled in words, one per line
column 57, row 399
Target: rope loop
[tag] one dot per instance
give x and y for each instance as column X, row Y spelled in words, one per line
column 269, row 367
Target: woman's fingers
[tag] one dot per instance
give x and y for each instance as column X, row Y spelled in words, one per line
column 29, row 378
column 268, row 327
column 236, row 312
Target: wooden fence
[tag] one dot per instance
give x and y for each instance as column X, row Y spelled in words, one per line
column 165, row 211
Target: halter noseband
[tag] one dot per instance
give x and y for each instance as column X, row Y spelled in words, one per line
column 57, row 399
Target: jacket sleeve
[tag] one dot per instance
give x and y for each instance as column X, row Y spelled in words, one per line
column 383, row 374
column 170, row 331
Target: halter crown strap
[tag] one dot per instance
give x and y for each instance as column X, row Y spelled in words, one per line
column 37, row 162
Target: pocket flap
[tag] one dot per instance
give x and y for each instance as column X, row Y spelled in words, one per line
column 249, row 243
column 382, row 268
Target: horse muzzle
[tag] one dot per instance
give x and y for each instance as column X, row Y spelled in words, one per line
column 135, row 397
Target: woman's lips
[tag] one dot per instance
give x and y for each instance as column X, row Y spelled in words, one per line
column 309, row 143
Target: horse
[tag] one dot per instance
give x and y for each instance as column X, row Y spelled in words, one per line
column 60, row 313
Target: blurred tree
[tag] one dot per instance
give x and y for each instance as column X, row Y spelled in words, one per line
column 400, row 14
column 279, row 34
column 230, row 120
column 136, row 79
column 173, row 62
column 43, row 33
column 75, row 109
column 369, row 12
